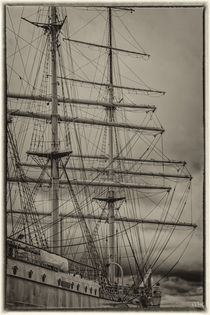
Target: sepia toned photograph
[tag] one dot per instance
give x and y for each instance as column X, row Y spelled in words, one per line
column 104, row 156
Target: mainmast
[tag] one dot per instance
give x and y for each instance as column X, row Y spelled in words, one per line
column 55, row 143
column 111, row 173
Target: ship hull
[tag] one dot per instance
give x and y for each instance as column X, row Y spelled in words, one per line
column 28, row 291
column 23, row 293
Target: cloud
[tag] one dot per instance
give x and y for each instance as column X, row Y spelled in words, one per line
column 180, row 293
column 193, row 276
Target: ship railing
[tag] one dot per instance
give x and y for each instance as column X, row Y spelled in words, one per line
column 113, row 292
column 20, row 251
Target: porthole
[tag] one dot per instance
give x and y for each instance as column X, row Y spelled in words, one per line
column 30, row 273
column 15, row 269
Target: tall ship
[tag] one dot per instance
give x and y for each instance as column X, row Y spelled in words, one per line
column 93, row 202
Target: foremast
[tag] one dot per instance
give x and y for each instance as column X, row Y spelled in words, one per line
column 55, row 143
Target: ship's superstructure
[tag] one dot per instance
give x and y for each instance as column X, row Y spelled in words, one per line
column 81, row 183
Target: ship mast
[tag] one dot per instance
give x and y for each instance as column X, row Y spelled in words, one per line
column 111, row 200
column 54, row 157
column 53, row 26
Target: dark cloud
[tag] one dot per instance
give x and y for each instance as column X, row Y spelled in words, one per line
column 180, row 293
column 193, row 276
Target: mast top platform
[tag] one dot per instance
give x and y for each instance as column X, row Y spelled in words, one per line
column 46, row 26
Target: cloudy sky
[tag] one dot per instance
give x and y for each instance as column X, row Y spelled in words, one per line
column 174, row 39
